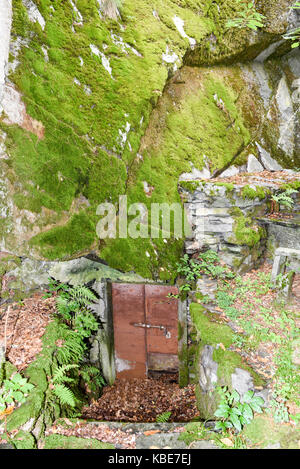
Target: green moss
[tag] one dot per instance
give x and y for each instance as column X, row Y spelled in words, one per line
column 246, row 231
column 194, row 431
column 209, row 332
column 183, row 128
column 228, row 361
column 81, row 152
column 64, row 241
column 6, row 370
column 24, row 440
column 229, row 186
column 190, row 186
column 31, row 409
column 249, row 192
column 230, row 45
column 245, row 234
column 72, row 442
column 263, row 431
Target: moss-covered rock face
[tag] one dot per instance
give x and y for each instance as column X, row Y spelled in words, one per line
column 227, row 46
column 79, row 96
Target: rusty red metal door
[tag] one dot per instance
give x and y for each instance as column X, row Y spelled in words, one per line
column 145, row 329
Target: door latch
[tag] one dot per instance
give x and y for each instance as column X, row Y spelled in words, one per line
column 150, row 326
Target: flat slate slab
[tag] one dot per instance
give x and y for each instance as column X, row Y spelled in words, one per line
column 169, row 441
column 6, row 446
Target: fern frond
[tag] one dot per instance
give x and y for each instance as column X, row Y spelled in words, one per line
column 59, row 375
column 65, row 395
column 164, row 417
column 62, row 306
column 73, row 349
column 83, row 294
column 92, row 375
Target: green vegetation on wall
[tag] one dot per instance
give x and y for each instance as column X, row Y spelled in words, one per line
column 97, row 86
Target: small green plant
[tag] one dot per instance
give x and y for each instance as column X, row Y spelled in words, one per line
column 73, row 305
column 58, row 385
column 296, row 418
column 164, row 417
column 225, row 302
column 286, row 379
column 294, row 35
column 283, row 198
column 193, row 431
column 76, row 324
column 234, row 411
column 248, row 17
column 279, row 411
column 92, row 378
column 14, row 390
column 238, row 341
column 71, row 347
column 207, row 263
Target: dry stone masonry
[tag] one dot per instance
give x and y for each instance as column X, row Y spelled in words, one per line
column 230, row 218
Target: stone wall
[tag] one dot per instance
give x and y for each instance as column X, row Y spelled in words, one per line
column 102, row 343
column 229, row 218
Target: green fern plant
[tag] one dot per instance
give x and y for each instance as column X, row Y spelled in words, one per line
column 76, row 323
column 294, row 35
column 92, row 377
column 71, row 348
column 283, row 198
column 248, row 17
column 65, row 395
column 164, row 417
column 59, row 388
column 73, row 306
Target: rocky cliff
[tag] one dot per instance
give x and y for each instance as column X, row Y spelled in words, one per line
column 97, row 103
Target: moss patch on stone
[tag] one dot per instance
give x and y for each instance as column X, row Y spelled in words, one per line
column 73, row 442
column 212, row 332
column 24, row 440
column 93, row 121
column 209, row 332
column 245, row 230
column 263, row 431
column 251, row 193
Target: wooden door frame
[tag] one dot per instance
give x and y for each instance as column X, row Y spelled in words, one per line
column 182, row 328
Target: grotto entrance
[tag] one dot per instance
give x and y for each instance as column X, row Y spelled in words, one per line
column 150, row 336
column 145, row 325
